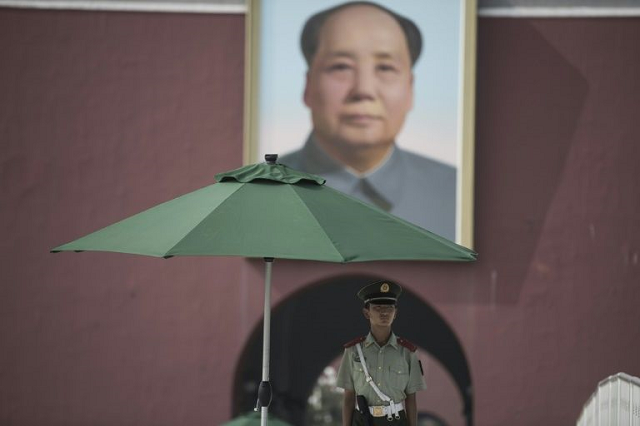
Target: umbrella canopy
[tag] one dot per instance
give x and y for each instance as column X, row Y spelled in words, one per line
column 270, row 211
column 253, row 419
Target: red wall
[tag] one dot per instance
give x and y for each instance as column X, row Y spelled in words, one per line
column 104, row 114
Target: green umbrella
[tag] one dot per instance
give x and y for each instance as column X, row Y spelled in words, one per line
column 270, row 211
column 253, row 419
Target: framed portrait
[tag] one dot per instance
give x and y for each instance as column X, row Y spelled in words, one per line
column 421, row 169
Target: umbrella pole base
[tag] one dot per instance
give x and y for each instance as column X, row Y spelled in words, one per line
column 264, row 395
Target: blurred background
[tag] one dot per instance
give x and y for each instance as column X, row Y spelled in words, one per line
column 111, row 107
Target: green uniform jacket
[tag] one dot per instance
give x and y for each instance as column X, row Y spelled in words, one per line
column 394, row 367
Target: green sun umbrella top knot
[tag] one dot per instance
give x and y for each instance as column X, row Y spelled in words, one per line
column 268, row 171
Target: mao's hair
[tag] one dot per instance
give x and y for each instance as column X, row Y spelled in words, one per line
column 313, row 26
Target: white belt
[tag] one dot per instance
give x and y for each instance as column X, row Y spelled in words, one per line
column 386, row 410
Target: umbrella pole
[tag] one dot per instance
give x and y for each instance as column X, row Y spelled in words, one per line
column 264, row 391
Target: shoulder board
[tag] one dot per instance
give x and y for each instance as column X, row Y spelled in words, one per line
column 407, row 344
column 355, row 342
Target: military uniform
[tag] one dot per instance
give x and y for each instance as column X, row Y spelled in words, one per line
column 394, row 367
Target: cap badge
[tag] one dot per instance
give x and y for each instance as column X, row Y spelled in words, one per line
column 384, row 288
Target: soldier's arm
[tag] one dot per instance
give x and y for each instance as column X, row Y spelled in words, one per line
column 348, row 404
column 411, row 406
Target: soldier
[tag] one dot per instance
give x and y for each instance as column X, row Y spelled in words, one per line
column 380, row 373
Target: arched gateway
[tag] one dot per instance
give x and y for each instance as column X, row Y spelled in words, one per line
column 308, row 330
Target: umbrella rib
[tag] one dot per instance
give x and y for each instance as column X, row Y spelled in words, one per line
column 319, row 226
column 185, row 236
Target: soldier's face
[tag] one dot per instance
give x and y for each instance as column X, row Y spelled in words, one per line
column 360, row 85
column 380, row 315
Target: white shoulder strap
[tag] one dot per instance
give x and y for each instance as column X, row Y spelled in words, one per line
column 375, row 388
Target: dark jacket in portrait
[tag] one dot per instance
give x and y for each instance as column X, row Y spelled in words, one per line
column 418, row 189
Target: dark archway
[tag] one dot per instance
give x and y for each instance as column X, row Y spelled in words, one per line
column 308, row 330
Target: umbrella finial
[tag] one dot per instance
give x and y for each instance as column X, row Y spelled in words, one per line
column 271, row 158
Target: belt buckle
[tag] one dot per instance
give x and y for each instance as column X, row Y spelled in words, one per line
column 378, row 411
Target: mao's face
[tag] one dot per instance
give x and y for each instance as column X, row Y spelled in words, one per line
column 359, row 85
